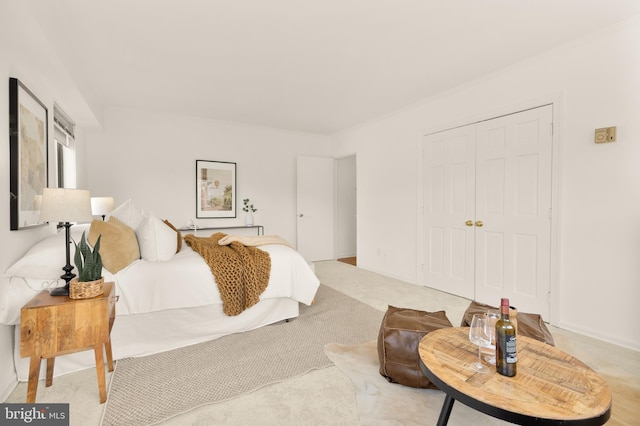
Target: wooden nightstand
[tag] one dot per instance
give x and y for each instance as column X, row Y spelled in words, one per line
column 57, row 325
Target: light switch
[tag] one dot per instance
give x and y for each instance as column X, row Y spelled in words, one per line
column 606, row 134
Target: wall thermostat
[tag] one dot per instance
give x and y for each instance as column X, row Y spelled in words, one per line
column 606, row 134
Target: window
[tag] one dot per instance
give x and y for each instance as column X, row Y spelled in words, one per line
column 64, row 137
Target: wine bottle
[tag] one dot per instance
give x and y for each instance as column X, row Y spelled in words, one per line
column 506, row 354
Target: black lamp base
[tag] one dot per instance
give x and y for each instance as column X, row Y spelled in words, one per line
column 60, row 291
column 67, row 276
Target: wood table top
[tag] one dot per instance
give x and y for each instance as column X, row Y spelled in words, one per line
column 550, row 387
column 45, row 299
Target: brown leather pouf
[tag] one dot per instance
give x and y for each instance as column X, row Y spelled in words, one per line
column 400, row 333
column 530, row 325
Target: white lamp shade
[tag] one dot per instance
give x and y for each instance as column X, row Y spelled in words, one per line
column 65, row 205
column 101, row 205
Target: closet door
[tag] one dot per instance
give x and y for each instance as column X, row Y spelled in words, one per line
column 513, row 201
column 449, row 208
column 487, row 210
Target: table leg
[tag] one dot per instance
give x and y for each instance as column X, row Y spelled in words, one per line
column 100, row 372
column 446, row 411
column 107, row 347
column 50, row 365
column 34, row 374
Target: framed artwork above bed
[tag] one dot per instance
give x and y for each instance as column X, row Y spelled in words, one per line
column 28, row 154
column 215, row 189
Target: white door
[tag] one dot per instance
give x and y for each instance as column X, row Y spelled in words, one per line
column 513, row 193
column 315, row 204
column 487, row 195
column 449, row 197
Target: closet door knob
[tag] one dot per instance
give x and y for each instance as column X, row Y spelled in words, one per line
column 469, row 223
column 479, row 224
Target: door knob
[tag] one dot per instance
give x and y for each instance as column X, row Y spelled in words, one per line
column 469, row 223
column 300, row 215
column 479, row 223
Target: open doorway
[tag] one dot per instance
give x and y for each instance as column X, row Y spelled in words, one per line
column 347, row 218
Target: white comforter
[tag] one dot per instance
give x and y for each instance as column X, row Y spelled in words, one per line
column 143, row 286
column 187, row 281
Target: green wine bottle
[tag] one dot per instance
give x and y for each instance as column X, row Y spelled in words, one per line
column 506, row 354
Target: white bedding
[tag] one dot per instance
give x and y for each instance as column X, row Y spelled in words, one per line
column 186, row 281
column 144, row 286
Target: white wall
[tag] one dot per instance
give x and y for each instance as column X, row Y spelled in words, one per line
column 595, row 82
column 151, row 158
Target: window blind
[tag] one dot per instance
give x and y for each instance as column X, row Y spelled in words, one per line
column 63, row 120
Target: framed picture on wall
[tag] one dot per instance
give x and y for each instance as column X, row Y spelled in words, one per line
column 215, row 189
column 28, row 155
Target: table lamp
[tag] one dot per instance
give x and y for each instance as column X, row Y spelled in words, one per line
column 100, row 206
column 66, row 206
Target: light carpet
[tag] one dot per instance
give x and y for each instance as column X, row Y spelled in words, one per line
column 151, row 389
column 381, row 403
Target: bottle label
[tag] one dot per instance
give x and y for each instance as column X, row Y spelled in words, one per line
column 511, row 354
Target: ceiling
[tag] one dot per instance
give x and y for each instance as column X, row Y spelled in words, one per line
column 318, row 66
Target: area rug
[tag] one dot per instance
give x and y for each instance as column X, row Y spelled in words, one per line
column 381, row 403
column 151, row 389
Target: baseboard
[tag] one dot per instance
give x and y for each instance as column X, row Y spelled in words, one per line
column 575, row 328
column 343, row 255
column 407, row 280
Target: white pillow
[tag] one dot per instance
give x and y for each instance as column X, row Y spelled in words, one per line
column 45, row 259
column 157, row 240
column 128, row 214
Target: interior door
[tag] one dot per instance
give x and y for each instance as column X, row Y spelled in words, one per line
column 449, row 185
column 315, row 204
column 513, row 193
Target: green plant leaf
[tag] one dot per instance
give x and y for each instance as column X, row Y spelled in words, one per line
column 88, row 262
column 96, row 270
column 77, row 259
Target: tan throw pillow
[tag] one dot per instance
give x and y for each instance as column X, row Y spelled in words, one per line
column 170, row 225
column 118, row 245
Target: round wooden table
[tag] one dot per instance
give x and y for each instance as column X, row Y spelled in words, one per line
column 550, row 388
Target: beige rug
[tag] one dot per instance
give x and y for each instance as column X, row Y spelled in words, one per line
column 151, row 389
column 386, row 404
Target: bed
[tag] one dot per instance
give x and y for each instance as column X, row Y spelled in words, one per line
column 166, row 300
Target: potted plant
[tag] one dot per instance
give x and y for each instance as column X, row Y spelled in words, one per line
column 88, row 262
column 249, row 210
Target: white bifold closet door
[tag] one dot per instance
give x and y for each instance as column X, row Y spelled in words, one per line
column 487, row 212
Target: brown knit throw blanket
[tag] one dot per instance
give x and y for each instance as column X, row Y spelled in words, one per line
column 242, row 273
